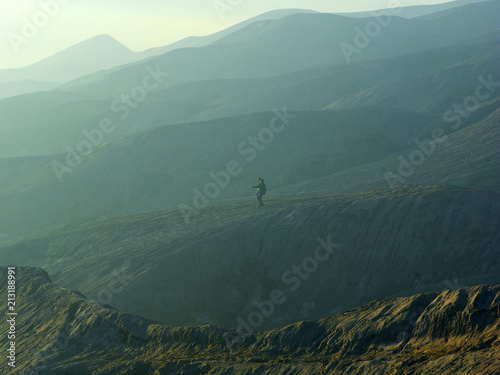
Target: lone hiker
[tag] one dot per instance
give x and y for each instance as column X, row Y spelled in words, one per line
column 261, row 190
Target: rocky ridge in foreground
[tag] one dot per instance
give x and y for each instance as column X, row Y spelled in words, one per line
column 59, row 331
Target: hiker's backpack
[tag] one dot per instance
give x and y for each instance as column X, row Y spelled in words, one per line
column 263, row 189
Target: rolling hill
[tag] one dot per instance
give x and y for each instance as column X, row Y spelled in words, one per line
column 202, row 41
column 469, row 156
column 419, row 10
column 24, row 87
column 313, row 153
column 100, row 53
column 212, row 266
column 59, row 117
column 160, row 168
column 439, row 78
column 271, row 47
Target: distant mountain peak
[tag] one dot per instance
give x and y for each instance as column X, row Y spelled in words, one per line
column 101, row 40
column 85, row 57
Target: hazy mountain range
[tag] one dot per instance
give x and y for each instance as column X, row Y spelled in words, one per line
column 100, row 53
column 379, row 147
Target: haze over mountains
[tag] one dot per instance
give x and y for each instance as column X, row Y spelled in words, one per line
column 100, row 53
column 380, row 153
column 103, row 52
column 205, row 72
column 80, row 59
column 419, row 10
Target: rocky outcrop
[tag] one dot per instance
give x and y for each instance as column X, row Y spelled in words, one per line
column 61, row 332
column 313, row 256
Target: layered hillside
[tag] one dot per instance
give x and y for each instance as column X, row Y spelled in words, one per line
column 307, row 153
column 438, row 78
column 99, row 53
column 438, row 65
column 270, row 47
column 441, row 79
column 215, row 265
column 60, row 332
column 467, row 155
column 161, row 168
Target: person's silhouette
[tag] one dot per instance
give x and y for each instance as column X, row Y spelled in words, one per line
column 261, row 190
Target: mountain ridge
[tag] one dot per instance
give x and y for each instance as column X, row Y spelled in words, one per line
column 67, row 65
column 417, row 333
column 203, row 260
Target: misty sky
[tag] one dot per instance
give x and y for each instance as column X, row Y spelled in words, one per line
column 139, row 24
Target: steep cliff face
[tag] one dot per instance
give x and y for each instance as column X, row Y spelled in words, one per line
column 315, row 256
column 61, row 332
